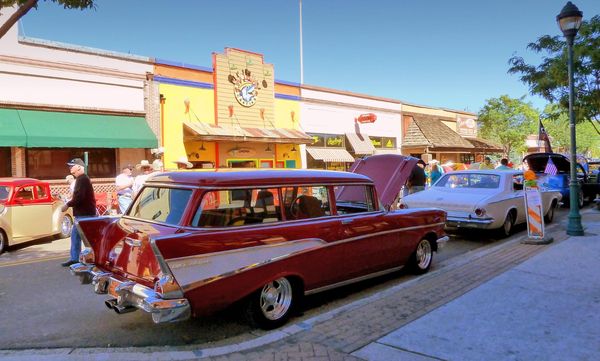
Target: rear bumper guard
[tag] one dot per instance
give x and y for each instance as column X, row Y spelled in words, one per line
column 129, row 296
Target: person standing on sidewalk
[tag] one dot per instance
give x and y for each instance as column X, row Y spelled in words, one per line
column 83, row 203
column 418, row 178
column 124, row 183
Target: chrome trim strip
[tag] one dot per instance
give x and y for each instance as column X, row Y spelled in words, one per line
column 469, row 221
column 353, row 280
column 133, row 242
column 203, row 260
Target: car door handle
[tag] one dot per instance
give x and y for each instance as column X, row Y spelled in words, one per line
column 347, row 221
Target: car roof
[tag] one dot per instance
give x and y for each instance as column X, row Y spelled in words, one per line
column 16, row 181
column 486, row 171
column 228, row 178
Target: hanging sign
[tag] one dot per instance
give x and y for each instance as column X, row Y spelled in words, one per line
column 367, row 118
column 535, row 214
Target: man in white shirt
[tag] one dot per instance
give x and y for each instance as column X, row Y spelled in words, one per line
column 124, row 183
column 146, row 171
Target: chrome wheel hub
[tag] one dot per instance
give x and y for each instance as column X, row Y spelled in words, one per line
column 424, row 254
column 276, row 298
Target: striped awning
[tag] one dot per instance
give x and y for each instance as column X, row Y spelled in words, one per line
column 330, row 154
column 361, row 143
column 205, row 131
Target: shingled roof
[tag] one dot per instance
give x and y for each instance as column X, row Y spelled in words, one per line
column 485, row 146
column 429, row 131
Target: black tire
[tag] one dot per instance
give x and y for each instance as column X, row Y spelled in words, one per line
column 271, row 306
column 507, row 226
column 421, row 259
column 3, row 241
column 549, row 217
column 66, row 225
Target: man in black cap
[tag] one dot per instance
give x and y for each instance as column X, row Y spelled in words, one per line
column 418, row 178
column 83, row 203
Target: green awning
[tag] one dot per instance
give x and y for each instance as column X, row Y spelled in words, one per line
column 12, row 133
column 74, row 130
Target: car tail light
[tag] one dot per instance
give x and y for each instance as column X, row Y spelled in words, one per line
column 87, row 256
column 480, row 212
column 167, row 287
column 403, row 206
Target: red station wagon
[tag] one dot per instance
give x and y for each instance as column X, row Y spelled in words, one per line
column 196, row 242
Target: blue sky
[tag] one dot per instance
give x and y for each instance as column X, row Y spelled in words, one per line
column 450, row 54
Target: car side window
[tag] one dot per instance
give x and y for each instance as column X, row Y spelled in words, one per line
column 238, row 207
column 354, row 199
column 306, row 202
column 518, row 182
column 41, row 192
column 24, row 194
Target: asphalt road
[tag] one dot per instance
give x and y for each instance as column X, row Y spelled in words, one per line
column 43, row 306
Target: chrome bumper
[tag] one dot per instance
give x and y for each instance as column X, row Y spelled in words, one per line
column 130, row 296
column 441, row 242
column 457, row 222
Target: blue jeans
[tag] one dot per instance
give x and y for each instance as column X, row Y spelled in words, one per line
column 75, row 240
column 124, row 202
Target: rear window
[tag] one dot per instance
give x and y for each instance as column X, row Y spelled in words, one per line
column 469, row 180
column 161, row 204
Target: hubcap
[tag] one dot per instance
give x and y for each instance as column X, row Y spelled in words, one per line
column 66, row 225
column 276, row 298
column 424, row 254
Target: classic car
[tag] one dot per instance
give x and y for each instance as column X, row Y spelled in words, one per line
column 589, row 187
column 196, row 242
column 28, row 211
column 483, row 199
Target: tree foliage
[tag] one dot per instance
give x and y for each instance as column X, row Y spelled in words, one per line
column 550, row 78
column 508, row 121
column 25, row 5
column 556, row 123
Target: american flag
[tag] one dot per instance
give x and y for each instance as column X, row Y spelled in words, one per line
column 543, row 137
column 550, row 167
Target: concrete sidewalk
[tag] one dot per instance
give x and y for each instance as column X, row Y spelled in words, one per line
column 507, row 302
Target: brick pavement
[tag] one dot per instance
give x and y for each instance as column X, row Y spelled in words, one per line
column 337, row 337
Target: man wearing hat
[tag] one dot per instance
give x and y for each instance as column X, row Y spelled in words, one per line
column 124, row 184
column 83, row 203
column 146, row 168
column 183, row 163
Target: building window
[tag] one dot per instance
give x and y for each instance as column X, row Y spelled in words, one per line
column 5, row 162
column 467, row 158
column 51, row 163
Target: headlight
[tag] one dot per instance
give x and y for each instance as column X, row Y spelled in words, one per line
column 480, row 212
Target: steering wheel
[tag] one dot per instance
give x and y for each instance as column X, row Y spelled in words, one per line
column 295, row 207
column 237, row 221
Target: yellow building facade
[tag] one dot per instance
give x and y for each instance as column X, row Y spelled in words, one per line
column 235, row 115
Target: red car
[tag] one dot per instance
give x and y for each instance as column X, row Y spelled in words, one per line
column 28, row 211
column 195, row 242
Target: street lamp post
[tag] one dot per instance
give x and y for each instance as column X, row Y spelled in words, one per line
column 569, row 21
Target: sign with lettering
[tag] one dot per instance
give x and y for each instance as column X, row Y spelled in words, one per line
column 327, row 140
column 383, row 142
column 466, row 127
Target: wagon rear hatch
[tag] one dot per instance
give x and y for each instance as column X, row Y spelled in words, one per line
column 388, row 171
column 124, row 246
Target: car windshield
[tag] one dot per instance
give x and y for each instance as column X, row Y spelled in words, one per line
column 469, row 180
column 161, row 204
column 4, row 193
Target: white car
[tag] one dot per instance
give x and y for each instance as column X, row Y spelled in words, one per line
column 483, row 199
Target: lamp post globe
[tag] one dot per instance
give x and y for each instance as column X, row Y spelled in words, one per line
column 569, row 21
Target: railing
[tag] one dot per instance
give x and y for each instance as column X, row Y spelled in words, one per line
column 101, row 186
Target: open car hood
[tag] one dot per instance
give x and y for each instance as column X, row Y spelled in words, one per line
column 537, row 162
column 388, row 171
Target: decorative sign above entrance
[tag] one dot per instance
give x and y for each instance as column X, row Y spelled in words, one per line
column 245, row 77
column 383, row 142
column 245, row 88
column 242, row 152
column 466, row 127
